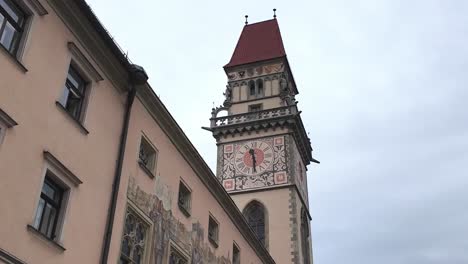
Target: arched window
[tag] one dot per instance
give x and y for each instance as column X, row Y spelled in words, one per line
column 254, row 213
column 305, row 233
column 259, row 87
column 252, row 91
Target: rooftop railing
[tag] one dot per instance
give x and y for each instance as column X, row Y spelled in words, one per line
column 253, row 116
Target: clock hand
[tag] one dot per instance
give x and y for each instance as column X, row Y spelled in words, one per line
column 254, row 161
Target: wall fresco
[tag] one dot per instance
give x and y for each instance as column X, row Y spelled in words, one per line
column 234, row 179
column 167, row 228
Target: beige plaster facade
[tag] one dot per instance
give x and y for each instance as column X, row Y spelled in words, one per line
column 42, row 142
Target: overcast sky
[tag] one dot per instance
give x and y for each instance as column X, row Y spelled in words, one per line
column 383, row 90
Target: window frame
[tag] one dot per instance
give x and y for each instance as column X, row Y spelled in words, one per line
column 51, row 174
column 19, row 27
column 257, row 86
column 149, row 235
column 251, row 106
column 183, row 187
column 3, row 129
column 63, row 177
column 236, row 249
column 6, row 122
column 56, row 205
column 213, row 223
column 245, row 212
column 74, row 69
column 150, row 170
column 174, row 247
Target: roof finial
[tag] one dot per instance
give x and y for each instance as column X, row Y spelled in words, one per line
column 246, row 21
column 274, row 12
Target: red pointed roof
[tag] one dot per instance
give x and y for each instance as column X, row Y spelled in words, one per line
column 258, row 42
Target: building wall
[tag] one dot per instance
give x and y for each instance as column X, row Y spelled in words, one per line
column 278, row 224
column 30, row 99
column 89, row 151
column 158, row 199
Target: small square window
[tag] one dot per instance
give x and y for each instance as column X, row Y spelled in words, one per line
column 255, row 108
column 73, row 97
column 147, row 155
column 185, row 199
column 175, row 257
column 134, row 239
column 49, row 208
column 213, row 231
column 235, row 254
column 12, row 25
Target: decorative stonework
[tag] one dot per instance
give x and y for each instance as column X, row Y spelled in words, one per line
column 294, row 227
column 167, row 228
column 256, row 71
column 234, row 179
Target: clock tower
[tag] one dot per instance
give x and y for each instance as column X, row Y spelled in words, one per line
column 263, row 148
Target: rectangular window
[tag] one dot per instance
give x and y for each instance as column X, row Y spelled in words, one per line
column 185, row 199
column 147, row 155
column 73, row 96
column 255, row 108
column 12, row 21
column 235, row 254
column 213, row 231
column 48, row 210
column 134, row 240
column 176, row 257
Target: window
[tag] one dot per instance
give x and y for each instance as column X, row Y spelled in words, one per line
column 252, row 90
column 235, row 254
column 134, row 239
column 255, row 215
column 213, row 231
column 73, row 96
column 49, row 208
column 176, row 257
column 12, row 22
column 5, row 122
column 185, row 199
column 255, row 107
column 147, row 155
column 256, row 88
column 305, row 233
column 260, row 87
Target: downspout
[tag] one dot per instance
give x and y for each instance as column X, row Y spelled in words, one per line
column 137, row 77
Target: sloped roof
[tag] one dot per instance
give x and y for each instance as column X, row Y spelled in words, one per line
column 258, row 42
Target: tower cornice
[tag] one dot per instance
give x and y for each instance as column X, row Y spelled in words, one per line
column 285, row 116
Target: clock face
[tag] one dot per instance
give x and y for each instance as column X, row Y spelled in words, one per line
column 253, row 157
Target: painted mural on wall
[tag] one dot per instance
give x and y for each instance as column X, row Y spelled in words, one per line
column 167, row 228
column 254, row 163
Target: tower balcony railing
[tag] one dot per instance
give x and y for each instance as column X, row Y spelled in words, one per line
column 253, row 116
